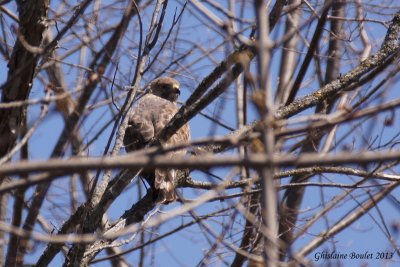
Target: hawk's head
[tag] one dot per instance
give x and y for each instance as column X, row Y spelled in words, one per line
column 165, row 87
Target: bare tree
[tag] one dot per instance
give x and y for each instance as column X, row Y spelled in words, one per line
column 292, row 106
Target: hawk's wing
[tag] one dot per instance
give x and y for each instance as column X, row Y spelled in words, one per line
column 140, row 128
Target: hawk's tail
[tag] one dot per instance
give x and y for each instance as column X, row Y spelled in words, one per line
column 164, row 181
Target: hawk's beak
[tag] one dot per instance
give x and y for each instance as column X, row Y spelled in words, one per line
column 176, row 89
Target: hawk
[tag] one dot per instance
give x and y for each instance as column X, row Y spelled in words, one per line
column 149, row 116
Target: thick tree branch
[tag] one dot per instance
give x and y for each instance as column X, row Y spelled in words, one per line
column 145, row 161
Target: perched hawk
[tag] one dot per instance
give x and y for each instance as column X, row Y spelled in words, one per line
column 149, row 116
